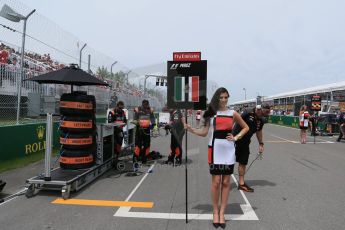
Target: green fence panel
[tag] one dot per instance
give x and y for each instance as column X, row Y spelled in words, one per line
column 291, row 121
column 21, row 140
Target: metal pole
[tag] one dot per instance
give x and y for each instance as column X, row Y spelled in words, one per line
column 127, row 75
column 145, row 85
column 111, row 68
column 186, row 168
column 21, row 76
column 89, row 64
column 80, row 55
column 48, row 152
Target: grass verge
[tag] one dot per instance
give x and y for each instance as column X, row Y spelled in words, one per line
column 23, row 161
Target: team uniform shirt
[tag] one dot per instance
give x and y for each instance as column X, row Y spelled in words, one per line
column 221, row 151
column 254, row 123
column 144, row 116
column 117, row 116
column 341, row 118
column 176, row 119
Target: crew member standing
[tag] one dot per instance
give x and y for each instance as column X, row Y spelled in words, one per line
column 176, row 124
column 254, row 118
column 144, row 120
column 341, row 123
column 118, row 116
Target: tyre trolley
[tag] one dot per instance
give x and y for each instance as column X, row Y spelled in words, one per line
column 67, row 180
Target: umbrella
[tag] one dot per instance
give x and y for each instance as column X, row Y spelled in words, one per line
column 69, row 75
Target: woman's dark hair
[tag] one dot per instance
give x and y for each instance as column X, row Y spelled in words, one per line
column 214, row 104
column 120, row 103
column 303, row 108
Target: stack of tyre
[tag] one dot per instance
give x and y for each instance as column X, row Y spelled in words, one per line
column 77, row 130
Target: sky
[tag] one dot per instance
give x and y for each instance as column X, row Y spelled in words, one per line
column 265, row 46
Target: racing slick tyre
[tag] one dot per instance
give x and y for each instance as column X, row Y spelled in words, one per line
column 77, row 103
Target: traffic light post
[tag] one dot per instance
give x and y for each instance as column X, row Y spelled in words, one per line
column 163, row 78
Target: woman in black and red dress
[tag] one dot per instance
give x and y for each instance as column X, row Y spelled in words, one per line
column 303, row 123
column 219, row 120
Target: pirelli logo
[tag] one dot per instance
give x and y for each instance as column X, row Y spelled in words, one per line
column 76, row 160
column 76, row 105
column 76, row 141
column 77, row 124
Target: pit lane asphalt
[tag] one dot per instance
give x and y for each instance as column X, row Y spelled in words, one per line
column 296, row 187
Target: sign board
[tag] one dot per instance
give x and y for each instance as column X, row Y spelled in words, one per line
column 187, row 84
column 316, row 103
column 187, row 56
column 164, row 118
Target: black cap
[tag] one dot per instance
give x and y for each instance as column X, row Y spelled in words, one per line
column 263, row 106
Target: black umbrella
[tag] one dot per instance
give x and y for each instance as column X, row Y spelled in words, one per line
column 69, row 75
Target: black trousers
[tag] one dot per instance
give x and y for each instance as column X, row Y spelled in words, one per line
column 341, row 132
column 142, row 144
column 176, row 144
column 118, row 139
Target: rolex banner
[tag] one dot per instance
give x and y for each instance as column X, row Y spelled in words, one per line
column 187, row 84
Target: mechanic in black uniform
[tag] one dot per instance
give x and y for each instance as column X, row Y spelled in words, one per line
column 341, row 123
column 176, row 126
column 254, row 118
column 118, row 116
column 145, row 121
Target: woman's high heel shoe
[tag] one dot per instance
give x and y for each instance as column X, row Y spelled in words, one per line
column 222, row 225
column 216, row 225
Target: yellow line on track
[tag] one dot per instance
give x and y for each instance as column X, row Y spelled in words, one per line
column 108, row 203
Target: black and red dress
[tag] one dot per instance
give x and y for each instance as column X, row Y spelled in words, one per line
column 221, row 152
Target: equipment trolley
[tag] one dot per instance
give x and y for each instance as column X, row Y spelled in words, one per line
column 68, row 180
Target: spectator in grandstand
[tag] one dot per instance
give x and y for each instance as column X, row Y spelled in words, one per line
column 341, row 123
column 303, row 123
column 219, row 120
column 4, row 54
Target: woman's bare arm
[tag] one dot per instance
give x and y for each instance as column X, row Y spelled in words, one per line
column 200, row 132
column 238, row 119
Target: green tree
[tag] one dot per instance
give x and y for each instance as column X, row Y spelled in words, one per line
column 103, row 72
column 120, row 77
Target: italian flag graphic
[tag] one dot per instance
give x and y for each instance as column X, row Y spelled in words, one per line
column 180, row 89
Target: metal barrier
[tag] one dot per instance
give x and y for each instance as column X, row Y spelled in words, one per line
column 37, row 99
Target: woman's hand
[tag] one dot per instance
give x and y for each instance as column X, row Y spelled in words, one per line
column 230, row 137
column 188, row 127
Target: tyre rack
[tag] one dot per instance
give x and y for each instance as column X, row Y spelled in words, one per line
column 70, row 180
